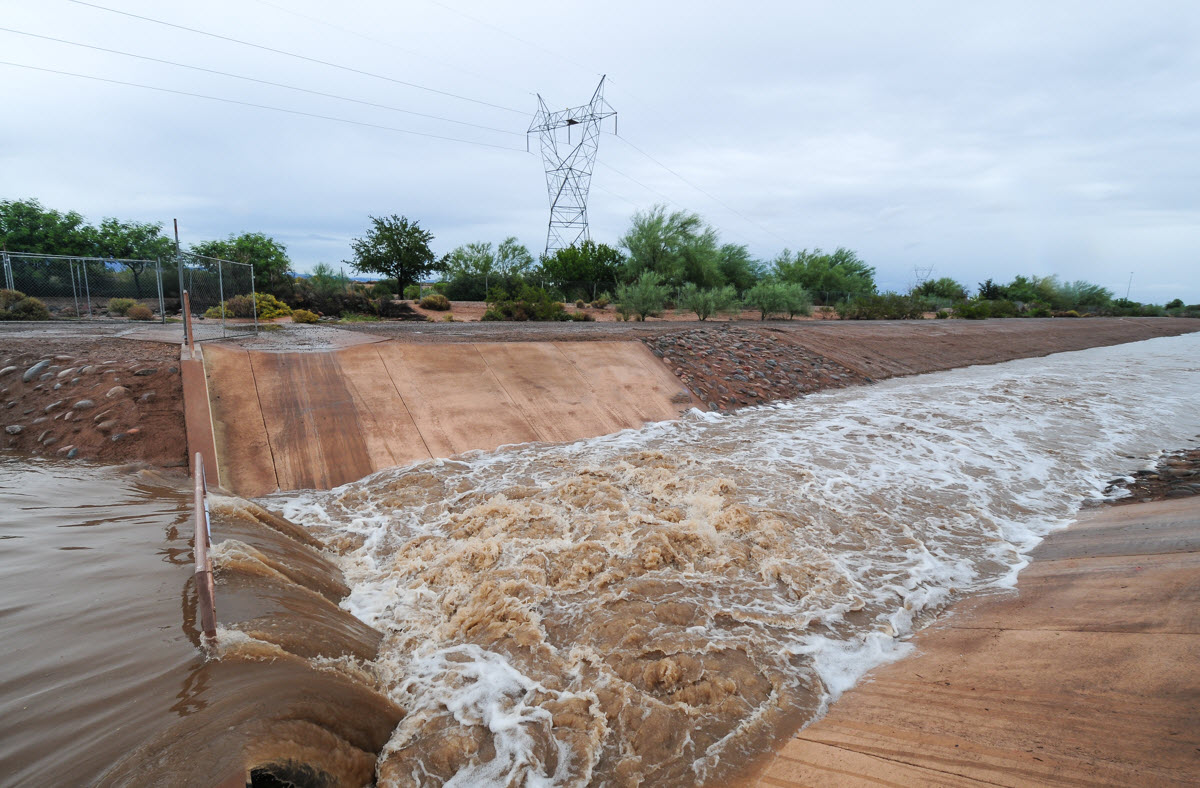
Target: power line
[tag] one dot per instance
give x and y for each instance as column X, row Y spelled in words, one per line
column 297, row 56
column 390, row 45
column 260, row 81
column 704, row 192
column 513, row 36
column 262, row 106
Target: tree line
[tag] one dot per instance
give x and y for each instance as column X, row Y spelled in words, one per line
column 664, row 258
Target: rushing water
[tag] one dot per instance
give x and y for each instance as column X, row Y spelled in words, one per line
column 659, row 605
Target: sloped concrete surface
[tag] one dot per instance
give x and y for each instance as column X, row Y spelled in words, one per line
column 317, row 420
column 1090, row 675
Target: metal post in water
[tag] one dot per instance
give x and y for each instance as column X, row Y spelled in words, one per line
column 206, row 608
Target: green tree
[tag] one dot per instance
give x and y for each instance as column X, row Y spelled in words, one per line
column 474, row 268
column 777, row 298
column 588, row 265
column 738, row 268
column 943, row 288
column 706, row 303
column 272, row 267
column 25, row 226
column 679, row 247
column 990, row 291
column 395, row 247
column 643, row 298
column 135, row 244
column 829, row 277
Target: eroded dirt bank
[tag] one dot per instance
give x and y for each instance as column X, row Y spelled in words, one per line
column 733, row 365
column 93, row 398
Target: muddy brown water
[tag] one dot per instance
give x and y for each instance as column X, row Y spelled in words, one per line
column 655, row 607
column 104, row 680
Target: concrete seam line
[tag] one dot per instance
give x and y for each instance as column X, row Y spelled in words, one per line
column 261, row 415
column 392, row 380
column 513, row 402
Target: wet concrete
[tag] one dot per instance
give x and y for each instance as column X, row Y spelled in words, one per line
column 1087, row 676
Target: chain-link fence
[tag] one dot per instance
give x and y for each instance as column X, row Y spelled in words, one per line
column 73, row 288
column 221, row 293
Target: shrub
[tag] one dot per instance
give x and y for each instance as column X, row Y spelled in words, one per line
column 602, row 302
column 582, row 317
column 359, row 317
column 382, row 290
column 440, row 287
column 530, row 303
column 491, row 315
column 304, row 316
column 1068, row 313
column 15, row 305
column 120, row 306
column 268, row 307
column 448, row 319
column 644, row 298
column 885, row 306
column 435, row 301
column 1174, row 304
column 139, row 312
column 412, row 292
column 706, row 303
column 943, row 314
column 580, row 304
column 776, row 298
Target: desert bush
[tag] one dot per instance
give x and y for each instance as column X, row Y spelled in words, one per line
column 359, row 317
column 440, row 287
column 1067, row 313
column 304, row 316
column 412, row 292
column 943, row 314
column 382, row 290
column 268, row 307
column 882, row 306
column 602, row 302
column 120, row 306
column 779, row 298
column 435, row 301
column 448, row 319
column 139, row 312
column 530, row 303
column 15, row 305
column 582, row 317
column 491, row 315
column 644, row 298
column 706, row 303
column 580, row 304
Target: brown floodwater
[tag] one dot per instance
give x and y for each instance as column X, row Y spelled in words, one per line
column 656, row 607
column 105, row 679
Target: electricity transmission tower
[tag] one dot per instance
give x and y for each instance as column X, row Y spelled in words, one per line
column 569, row 158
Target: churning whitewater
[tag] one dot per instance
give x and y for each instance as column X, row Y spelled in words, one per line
column 659, row 605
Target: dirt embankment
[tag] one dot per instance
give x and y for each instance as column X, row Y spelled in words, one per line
column 733, row 366
column 98, row 399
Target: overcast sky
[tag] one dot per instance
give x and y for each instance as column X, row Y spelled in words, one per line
column 973, row 139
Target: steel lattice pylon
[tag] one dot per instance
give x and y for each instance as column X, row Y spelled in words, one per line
column 569, row 164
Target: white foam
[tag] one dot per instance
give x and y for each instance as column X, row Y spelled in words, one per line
column 895, row 499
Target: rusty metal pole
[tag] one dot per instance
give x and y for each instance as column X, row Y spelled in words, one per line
column 188, row 338
column 206, row 607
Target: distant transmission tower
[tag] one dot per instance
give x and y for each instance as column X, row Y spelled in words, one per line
column 569, row 159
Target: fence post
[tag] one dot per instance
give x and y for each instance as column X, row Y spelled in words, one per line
column 74, row 290
column 254, row 299
column 87, row 287
column 162, row 303
column 8, row 274
column 221, row 293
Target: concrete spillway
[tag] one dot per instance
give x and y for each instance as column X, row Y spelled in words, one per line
column 317, row 420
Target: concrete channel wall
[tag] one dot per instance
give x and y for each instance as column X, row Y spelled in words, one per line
column 291, row 421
